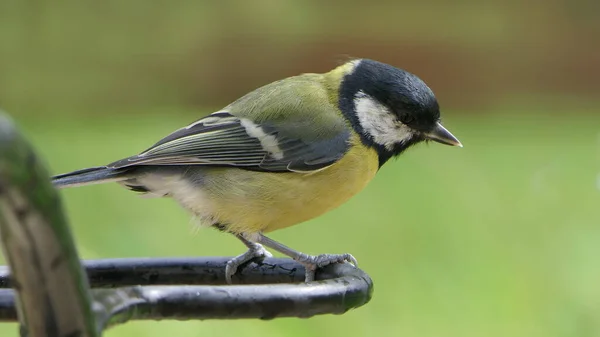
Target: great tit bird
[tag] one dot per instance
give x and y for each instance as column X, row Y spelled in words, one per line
column 284, row 153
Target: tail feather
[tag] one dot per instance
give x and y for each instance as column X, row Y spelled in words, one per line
column 88, row 176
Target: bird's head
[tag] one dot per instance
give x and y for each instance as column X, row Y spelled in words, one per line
column 390, row 108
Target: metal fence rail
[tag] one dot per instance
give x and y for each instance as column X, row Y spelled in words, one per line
column 193, row 288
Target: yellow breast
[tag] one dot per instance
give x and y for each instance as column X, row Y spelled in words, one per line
column 247, row 201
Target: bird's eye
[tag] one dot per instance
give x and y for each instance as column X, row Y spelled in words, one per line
column 406, row 119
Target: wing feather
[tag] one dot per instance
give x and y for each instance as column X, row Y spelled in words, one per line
column 222, row 139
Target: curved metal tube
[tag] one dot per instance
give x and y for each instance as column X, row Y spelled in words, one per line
column 194, row 288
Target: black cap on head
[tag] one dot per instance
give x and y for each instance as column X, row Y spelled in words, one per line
column 407, row 98
column 404, row 93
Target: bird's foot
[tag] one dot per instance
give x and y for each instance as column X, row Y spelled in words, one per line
column 313, row 262
column 255, row 251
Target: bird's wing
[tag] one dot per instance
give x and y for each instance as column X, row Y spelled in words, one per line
column 273, row 144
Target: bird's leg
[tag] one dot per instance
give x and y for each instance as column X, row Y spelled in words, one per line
column 255, row 250
column 310, row 262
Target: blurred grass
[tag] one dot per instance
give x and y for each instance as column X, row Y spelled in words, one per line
column 88, row 57
column 499, row 238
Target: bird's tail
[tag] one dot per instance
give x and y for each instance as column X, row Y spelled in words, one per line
column 88, row 176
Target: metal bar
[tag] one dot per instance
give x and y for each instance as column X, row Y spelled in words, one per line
column 339, row 288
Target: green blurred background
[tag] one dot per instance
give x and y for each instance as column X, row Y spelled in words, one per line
column 500, row 238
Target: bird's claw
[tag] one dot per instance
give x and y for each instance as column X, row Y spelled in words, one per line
column 255, row 252
column 313, row 262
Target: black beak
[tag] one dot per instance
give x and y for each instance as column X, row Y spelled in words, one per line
column 441, row 135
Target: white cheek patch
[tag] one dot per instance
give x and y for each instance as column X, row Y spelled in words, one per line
column 268, row 142
column 379, row 122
